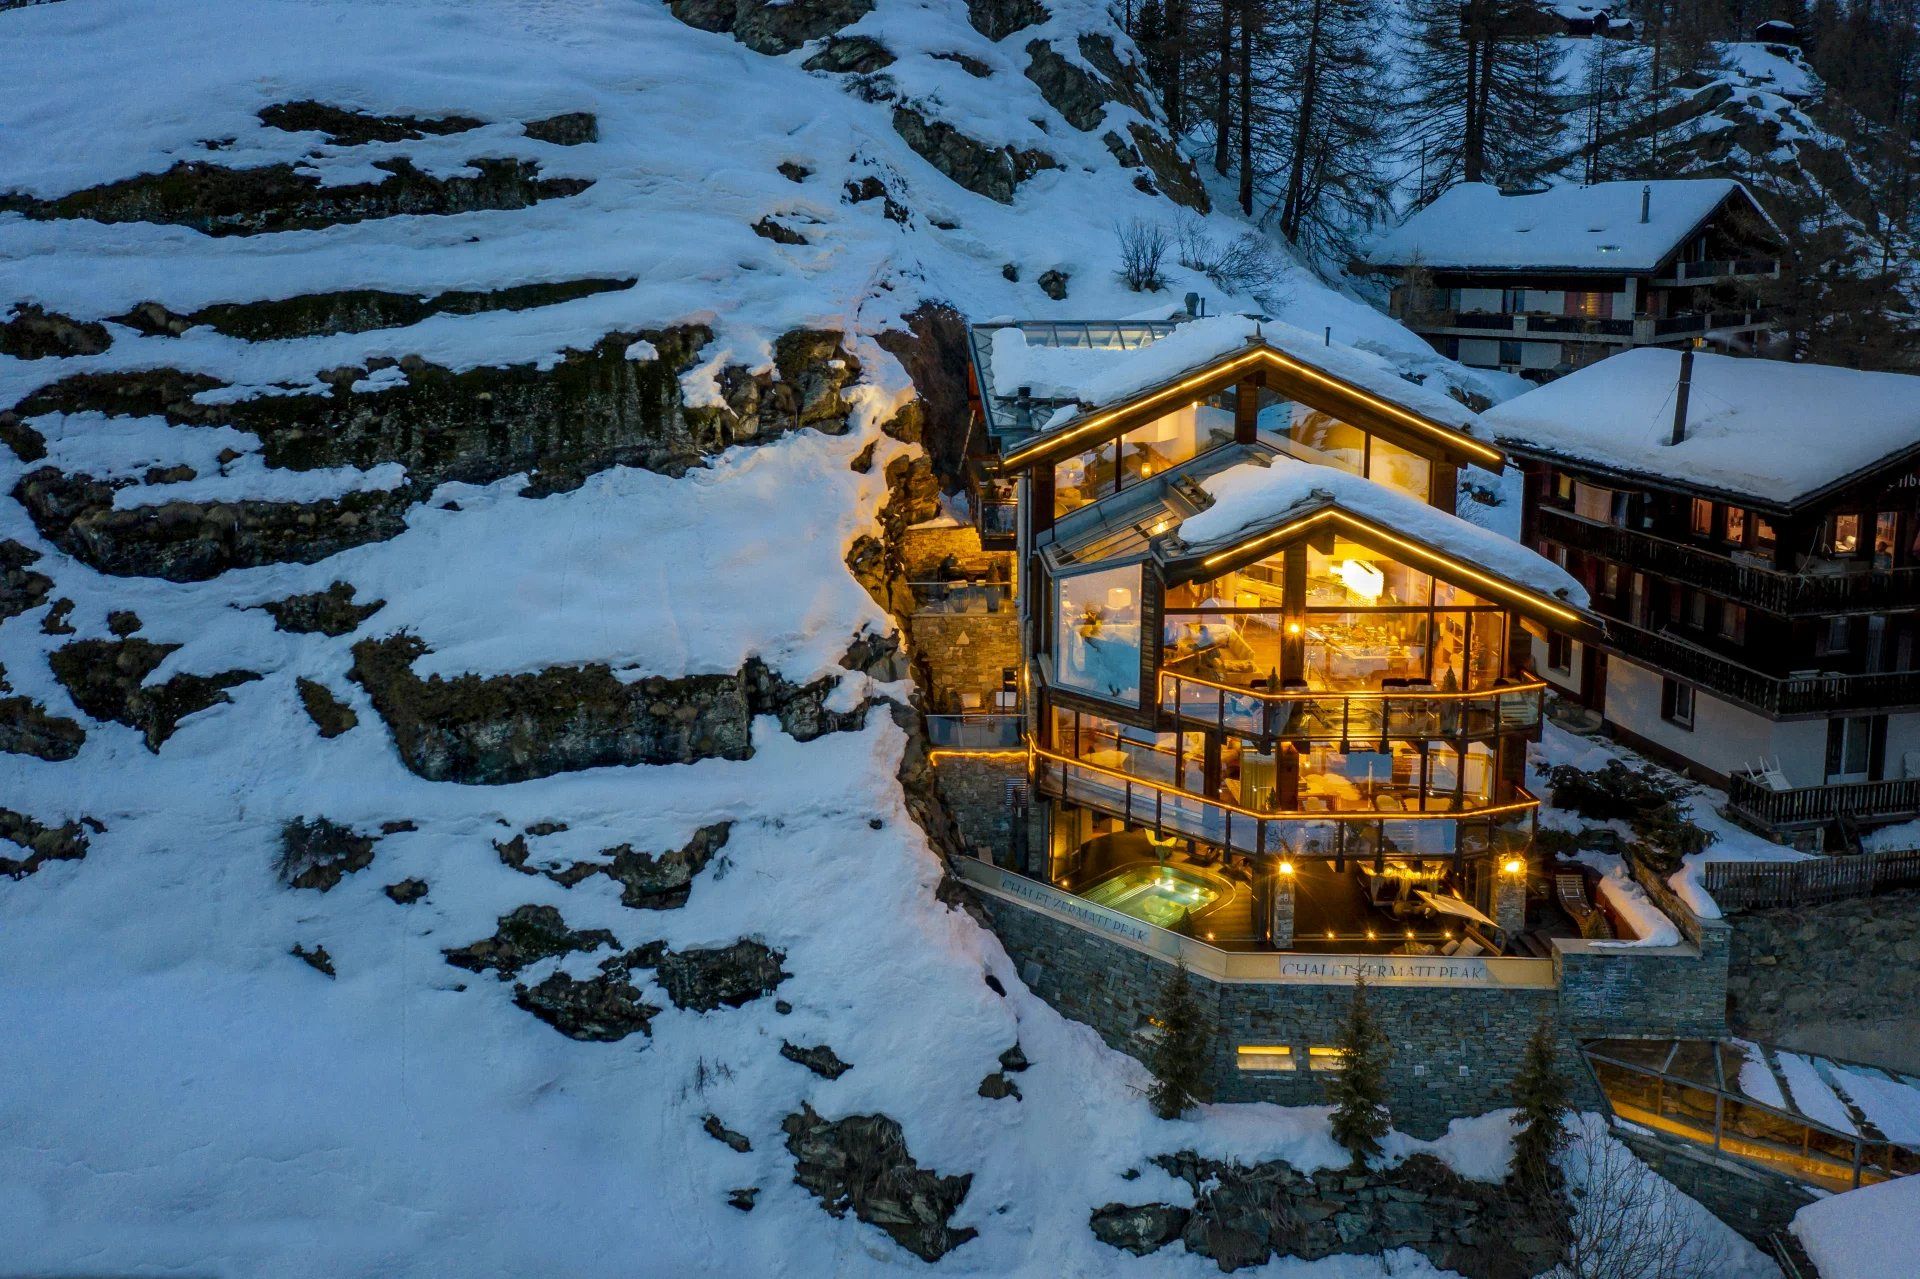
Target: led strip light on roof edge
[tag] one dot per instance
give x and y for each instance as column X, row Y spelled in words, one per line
column 1369, row 528
column 1458, row 439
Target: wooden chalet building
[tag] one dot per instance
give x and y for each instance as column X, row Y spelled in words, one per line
column 1261, row 650
column 1750, row 531
column 1540, row 284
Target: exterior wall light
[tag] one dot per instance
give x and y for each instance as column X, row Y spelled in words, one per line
column 1514, row 866
column 1286, row 868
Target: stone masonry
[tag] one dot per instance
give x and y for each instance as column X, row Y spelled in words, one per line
column 1455, row 1049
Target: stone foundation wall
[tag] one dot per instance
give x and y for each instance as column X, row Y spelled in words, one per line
column 924, row 549
column 1665, row 990
column 975, row 792
column 992, row 644
column 1841, row 978
column 1752, row 1201
column 1455, row 1049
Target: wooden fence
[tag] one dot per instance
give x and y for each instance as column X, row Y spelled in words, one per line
column 1759, row 885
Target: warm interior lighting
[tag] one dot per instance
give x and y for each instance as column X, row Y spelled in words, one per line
column 1119, row 598
column 1363, row 579
column 1160, row 526
column 1293, row 628
column 1372, row 936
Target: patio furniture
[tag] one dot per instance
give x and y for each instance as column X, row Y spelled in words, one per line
column 1570, row 888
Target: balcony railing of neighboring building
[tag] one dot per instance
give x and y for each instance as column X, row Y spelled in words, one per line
column 1437, row 831
column 975, row 731
column 967, row 596
column 1328, row 715
column 1624, row 331
column 1780, row 696
column 1722, row 269
column 1892, row 799
column 1824, row 587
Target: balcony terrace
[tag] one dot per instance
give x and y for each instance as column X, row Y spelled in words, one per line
column 1825, row 587
column 1815, row 696
column 1350, row 716
column 1895, row 799
column 1639, row 330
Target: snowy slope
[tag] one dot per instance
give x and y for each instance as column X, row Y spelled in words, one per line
column 183, row 1095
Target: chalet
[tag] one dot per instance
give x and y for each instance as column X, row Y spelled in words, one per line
column 1546, row 282
column 1750, row 531
column 1256, row 637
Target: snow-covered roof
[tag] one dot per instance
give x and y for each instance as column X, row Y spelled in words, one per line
column 1565, row 228
column 1852, row 1236
column 1082, row 380
column 1251, row 497
column 1763, row 429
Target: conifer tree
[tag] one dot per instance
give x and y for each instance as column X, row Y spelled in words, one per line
column 1178, row 1059
column 1540, row 1095
column 1484, row 102
column 1331, row 116
column 1359, row 1091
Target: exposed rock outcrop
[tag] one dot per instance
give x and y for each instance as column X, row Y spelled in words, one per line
column 330, row 612
column 860, row 55
column 862, row 1163
column 32, row 333
column 406, row 892
column 998, row 19
column 27, row 728
column 193, row 541
column 319, row 852
column 43, row 843
column 568, row 129
column 768, row 27
column 107, row 680
column 361, row 310
column 315, row 958
column 20, row 587
column 1245, row 1214
column 602, row 1009
column 994, row 172
column 216, row 200
column 348, row 127
column 527, row 935
column 591, row 410
column 819, row 1058
column 734, row 1141
column 647, row 881
column 511, row 728
column 705, row 979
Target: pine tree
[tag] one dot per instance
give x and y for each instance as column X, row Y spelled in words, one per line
column 1333, row 112
column 1540, row 1095
column 1484, row 101
column 1359, row 1091
column 1178, row 1058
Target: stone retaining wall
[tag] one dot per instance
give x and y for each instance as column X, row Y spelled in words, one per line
column 1751, row 1200
column 1455, row 1048
column 975, row 791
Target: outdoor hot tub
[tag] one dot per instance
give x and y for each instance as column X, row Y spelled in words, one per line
column 1162, row 895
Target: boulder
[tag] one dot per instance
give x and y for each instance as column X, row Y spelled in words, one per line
column 602, row 1009
column 41, row 842
column 107, row 680
column 994, row 172
column 32, row 333
column 318, row 853
column 1139, row 1228
column 861, row 1163
column 818, row 1058
column 526, row 935
column 704, row 979
column 568, row 129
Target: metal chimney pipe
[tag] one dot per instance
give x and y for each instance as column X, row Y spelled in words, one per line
column 1646, row 201
column 1680, row 396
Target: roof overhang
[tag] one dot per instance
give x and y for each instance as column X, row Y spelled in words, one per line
column 1322, row 518
column 1354, row 404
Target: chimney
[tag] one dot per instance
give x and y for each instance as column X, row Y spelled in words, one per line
column 1646, row 201
column 1680, row 396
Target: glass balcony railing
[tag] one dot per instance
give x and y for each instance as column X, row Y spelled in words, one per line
column 1435, row 829
column 1321, row 715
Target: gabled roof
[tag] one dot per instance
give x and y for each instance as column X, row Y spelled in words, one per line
column 1083, row 390
column 1257, row 507
column 1595, row 228
column 1777, row 433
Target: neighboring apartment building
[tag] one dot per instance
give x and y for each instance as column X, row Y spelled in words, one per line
column 1752, row 537
column 1543, row 283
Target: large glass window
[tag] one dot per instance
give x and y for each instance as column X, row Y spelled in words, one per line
column 1140, row 454
column 1173, row 759
column 1399, row 468
column 1097, row 633
column 1326, row 440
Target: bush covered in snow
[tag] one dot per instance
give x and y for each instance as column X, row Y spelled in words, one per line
column 1647, row 799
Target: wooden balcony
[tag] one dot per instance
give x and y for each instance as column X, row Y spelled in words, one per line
column 1864, row 590
column 1639, row 330
column 1778, row 697
column 1720, row 271
column 1894, row 800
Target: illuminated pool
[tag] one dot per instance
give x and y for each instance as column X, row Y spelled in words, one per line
column 1161, row 895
